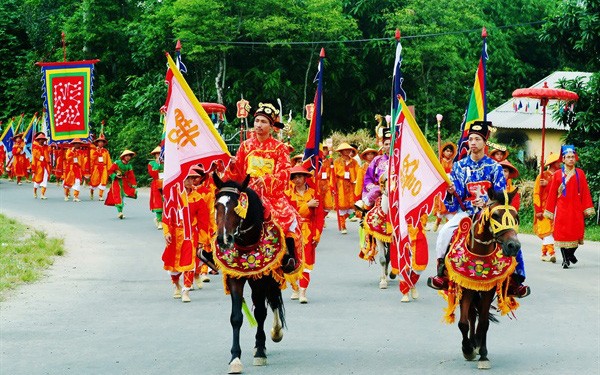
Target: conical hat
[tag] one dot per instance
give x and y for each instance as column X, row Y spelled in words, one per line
column 156, row 150
column 344, row 146
column 298, row 169
column 552, row 158
column 366, row 151
column 127, row 152
column 513, row 172
column 100, row 139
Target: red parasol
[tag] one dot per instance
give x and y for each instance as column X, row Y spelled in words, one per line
column 544, row 94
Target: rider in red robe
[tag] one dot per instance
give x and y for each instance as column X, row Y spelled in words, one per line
column 267, row 161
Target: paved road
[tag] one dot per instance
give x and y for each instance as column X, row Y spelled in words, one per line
column 106, row 308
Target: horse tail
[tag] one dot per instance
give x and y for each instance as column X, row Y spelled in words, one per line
column 275, row 300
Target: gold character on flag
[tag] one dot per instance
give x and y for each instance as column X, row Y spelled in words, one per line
column 409, row 181
column 185, row 132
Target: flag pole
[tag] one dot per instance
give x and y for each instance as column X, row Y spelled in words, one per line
column 484, row 59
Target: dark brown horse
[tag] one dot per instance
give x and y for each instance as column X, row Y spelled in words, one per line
column 245, row 233
column 495, row 226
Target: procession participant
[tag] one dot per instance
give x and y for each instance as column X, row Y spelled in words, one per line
column 296, row 160
column 510, row 173
column 367, row 157
column 267, row 162
column 100, row 163
column 155, row 170
column 86, row 168
column 40, row 156
column 58, row 169
column 303, row 199
column 179, row 257
column 325, row 182
column 471, row 178
column 542, row 226
column 439, row 208
column 2, row 159
column 72, row 175
column 498, row 152
column 207, row 226
column 345, row 171
column 378, row 167
column 569, row 202
column 19, row 163
column 122, row 182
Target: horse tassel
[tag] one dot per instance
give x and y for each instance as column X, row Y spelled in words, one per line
column 248, row 314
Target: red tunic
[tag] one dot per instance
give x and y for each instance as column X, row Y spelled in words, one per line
column 268, row 164
column 568, row 205
column 19, row 160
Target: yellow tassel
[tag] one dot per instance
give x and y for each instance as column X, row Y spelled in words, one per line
column 242, row 207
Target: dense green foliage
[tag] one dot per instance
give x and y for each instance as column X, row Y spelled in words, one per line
column 250, row 49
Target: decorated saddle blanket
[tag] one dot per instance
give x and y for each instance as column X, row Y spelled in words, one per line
column 377, row 223
column 476, row 272
column 258, row 261
column 473, row 271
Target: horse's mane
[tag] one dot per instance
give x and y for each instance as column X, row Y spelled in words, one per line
column 498, row 196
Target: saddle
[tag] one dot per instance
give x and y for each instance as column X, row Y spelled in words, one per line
column 376, row 226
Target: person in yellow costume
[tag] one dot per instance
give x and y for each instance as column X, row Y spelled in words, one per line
column 305, row 201
column 267, row 161
column 207, row 227
column 19, row 163
column 542, row 226
column 345, row 172
column 40, row 165
column 100, row 163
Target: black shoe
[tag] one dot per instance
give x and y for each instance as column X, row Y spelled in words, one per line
column 208, row 259
column 288, row 264
column 571, row 255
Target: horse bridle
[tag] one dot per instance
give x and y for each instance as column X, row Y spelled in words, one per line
column 506, row 222
column 238, row 230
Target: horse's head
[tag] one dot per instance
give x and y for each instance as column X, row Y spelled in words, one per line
column 238, row 211
column 501, row 221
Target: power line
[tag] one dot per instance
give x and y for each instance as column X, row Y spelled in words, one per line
column 432, row 35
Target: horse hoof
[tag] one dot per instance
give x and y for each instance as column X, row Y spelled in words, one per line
column 383, row 284
column 276, row 334
column 235, row 366
column 260, row 361
column 392, row 275
column 484, row 365
column 469, row 356
column 405, row 298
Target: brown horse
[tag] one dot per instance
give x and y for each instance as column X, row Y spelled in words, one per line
column 241, row 232
column 494, row 230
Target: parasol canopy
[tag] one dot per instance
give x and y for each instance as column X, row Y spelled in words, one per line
column 544, row 94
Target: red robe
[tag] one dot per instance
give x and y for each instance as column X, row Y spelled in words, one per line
column 268, row 162
column 19, row 159
column 122, row 186
column 156, row 198
column 100, row 162
column 568, row 205
column 40, row 155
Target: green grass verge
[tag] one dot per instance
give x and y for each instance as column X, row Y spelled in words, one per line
column 24, row 254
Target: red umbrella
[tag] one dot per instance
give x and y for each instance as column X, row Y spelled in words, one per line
column 544, row 94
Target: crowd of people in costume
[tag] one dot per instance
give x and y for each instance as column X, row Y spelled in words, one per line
column 350, row 183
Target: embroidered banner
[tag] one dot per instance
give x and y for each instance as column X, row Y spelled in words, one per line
column 67, row 92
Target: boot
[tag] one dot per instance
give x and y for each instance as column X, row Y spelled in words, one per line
column 565, row 262
column 516, row 287
column 571, row 254
column 288, row 264
column 440, row 281
column 207, row 258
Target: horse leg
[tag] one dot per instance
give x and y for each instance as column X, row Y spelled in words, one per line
column 383, row 283
column 275, row 301
column 260, row 313
column 236, row 289
column 482, row 328
column 464, row 324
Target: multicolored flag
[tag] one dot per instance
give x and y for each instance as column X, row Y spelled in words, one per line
column 29, row 134
column 477, row 109
column 7, row 140
column 313, row 154
column 67, row 92
column 190, row 139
